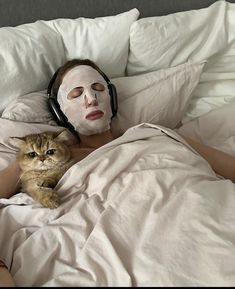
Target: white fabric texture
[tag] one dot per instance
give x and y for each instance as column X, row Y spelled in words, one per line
column 31, row 53
column 215, row 128
column 104, row 40
column 208, row 33
column 32, row 107
column 159, row 97
column 175, row 229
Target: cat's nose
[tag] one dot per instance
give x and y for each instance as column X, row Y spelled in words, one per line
column 42, row 158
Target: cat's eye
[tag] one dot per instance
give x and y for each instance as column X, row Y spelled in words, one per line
column 32, row 154
column 51, row 152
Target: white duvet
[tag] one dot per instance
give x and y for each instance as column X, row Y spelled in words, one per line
column 143, row 210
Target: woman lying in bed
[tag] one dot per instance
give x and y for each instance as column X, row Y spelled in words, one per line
column 81, row 101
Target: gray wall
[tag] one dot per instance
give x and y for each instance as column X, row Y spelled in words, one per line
column 15, row 12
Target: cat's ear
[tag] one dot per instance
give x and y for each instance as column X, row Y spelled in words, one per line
column 64, row 136
column 17, row 141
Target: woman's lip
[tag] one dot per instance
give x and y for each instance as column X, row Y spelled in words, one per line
column 94, row 115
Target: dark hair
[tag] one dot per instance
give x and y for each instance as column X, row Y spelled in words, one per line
column 69, row 65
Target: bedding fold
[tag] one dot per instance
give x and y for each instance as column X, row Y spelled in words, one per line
column 143, row 210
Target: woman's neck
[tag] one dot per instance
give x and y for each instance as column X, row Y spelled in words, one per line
column 95, row 141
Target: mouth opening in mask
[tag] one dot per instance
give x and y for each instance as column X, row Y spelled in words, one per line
column 96, row 114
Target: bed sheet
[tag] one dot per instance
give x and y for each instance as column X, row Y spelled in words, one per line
column 175, row 229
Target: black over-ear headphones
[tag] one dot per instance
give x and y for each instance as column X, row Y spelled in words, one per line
column 54, row 106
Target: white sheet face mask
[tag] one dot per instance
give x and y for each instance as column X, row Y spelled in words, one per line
column 84, row 98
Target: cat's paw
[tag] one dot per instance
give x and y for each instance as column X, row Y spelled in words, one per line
column 46, row 183
column 50, row 200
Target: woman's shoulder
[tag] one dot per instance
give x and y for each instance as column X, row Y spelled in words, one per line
column 79, row 153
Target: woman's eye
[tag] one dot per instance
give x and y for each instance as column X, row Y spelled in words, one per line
column 76, row 92
column 51, row 152
column 32, row 154
column 98, row 86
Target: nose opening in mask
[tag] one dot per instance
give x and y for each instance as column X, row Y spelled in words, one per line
column 90, row 99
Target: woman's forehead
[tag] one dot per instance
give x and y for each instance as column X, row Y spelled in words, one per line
column 83, row 74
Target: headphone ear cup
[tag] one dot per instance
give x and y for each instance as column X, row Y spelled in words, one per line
column 55, row 110
column 113, row 98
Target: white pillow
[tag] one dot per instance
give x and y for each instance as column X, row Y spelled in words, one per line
column 208, row 33
column 30, row 53
column 104, row 40
column 159, row 97
column 32, row 107
column 166, row 41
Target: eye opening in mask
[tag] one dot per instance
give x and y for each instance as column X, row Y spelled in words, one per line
column 98, row 86
column 75, row 92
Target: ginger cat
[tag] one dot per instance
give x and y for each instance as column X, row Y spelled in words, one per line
column 43, row 159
